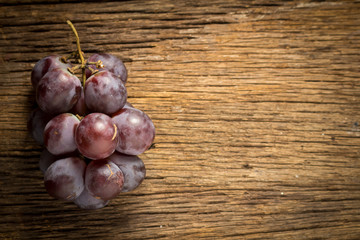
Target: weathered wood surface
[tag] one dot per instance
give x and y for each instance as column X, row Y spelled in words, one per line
column 256, row 106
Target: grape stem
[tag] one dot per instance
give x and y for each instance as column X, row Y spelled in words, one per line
column 80, row 53
column 79, row 117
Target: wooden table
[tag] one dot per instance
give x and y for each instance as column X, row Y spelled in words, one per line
column 256, row 106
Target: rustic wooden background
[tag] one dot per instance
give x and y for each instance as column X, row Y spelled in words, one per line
column 256, row 106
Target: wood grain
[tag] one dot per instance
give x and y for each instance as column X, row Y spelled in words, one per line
column 256, row 108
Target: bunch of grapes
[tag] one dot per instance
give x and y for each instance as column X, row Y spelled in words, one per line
column 91, row 134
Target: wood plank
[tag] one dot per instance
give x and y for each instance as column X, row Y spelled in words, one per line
column 256, row 108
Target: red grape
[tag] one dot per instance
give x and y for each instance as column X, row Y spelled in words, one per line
column 103, row 179
column 136, row 131
column 96, row 136
column 36, row 124
column 128, row 105
column 87, row 201
column 91, row 133
column 80, row 106
column 44, row 65
column 111, row 63
column 132, row 167
column 64, row 179
column 105, row 93
column 46, row 159
column 59, row 134
column 58, row 91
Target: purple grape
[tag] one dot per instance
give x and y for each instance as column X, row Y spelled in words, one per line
column 44, row 65
column 136, row 131
column 80, row 106
column 105, row 93
column 87, row 201
column 46, row 159
column 36, row 124
column 64, row 179
column 58, row 91
column 132, row 167
column 128, row 105
column 96, row 136
column 111, row 63
column 59, row 134
column 103, row 179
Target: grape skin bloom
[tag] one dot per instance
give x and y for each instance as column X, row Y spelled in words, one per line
column 59, row 134
column 104, row 93
column 132, row 167
column 58, row 91
column 136, row 131
column 64, row 179
column 44, row 65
